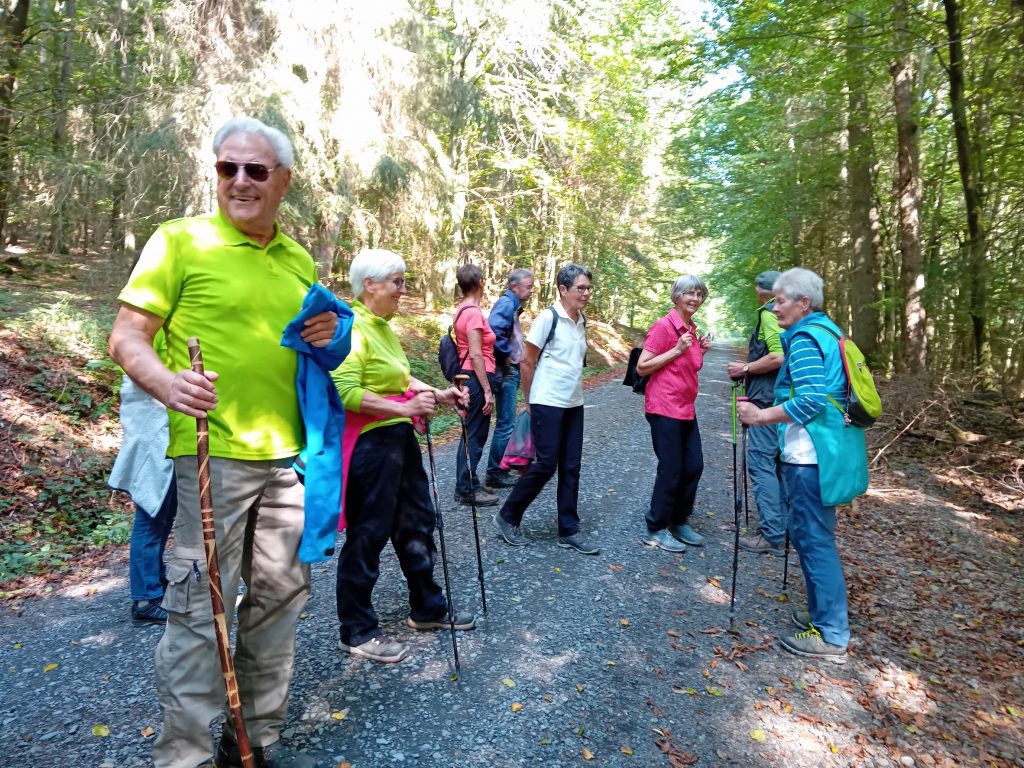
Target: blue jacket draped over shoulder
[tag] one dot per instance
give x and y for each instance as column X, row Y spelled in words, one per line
column 323, row 418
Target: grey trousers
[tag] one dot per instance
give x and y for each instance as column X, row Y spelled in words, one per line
column 258, row 516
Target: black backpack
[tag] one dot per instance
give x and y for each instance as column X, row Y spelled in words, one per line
column 551, row 333
column 448, row 351
column 632, row 378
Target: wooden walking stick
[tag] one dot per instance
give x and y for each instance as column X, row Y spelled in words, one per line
column 220, row 623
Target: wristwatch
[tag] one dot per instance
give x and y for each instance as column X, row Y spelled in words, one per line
column 746, row 367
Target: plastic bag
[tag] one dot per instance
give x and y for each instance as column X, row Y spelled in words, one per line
column 519, row 452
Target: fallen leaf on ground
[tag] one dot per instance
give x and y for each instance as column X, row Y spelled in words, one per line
column 580, row 688
column 147, row 732
column 508, row 682
column 51, row 666
column 628, row 751
column 624, row 622
column 516, row 706
column 587, row 754
column 100, row 730
column 757, row 735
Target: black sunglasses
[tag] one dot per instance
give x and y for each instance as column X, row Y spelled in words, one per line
column 227, row 169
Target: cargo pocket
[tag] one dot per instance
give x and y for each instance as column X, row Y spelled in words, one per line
column 180, row 579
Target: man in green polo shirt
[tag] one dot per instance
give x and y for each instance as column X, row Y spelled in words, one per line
column 233, row 280
column 764, row 358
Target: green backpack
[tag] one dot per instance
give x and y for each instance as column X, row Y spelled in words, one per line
column 865, row 406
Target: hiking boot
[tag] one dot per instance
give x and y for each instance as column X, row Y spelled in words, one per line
column 663, row 540
column 501, row 480
column 577, row 542
column 463, row 621
column 687, row 535
column 510, row 533
column 758, row 543
column 271, row 756
column 148, row 612
column 378, row 648
column 802, row 619
column 480, row 499
column 810, row 643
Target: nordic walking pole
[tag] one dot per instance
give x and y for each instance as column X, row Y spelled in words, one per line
column 444, row 552
column 460, row 381
column 746, row 499
column 785, row 570
column 736, row 517
column 220, row 624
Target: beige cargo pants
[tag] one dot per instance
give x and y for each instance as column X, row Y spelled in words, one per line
column 258, row 513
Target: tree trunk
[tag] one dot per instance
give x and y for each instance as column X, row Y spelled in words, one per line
column 62, row 183
column 914, row 358
column 864, row 287
column 14, row 22
column 968, row 162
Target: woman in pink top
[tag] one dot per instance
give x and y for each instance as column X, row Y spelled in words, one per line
column 475, row 341
column 673, row 353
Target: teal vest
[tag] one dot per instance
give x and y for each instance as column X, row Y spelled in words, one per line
column 842, row 452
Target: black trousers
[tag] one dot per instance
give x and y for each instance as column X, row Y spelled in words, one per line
column 680, row 465
column 558, row 438
column 478, row 425
column 387, row 498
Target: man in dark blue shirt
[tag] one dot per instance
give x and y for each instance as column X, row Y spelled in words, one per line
column 508, row 351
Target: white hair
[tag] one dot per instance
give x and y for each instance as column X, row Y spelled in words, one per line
column 373, row 263
column 689, row 283
column 280, row 143
column 799, row 283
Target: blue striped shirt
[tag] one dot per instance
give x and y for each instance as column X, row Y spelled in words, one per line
column 805, row 373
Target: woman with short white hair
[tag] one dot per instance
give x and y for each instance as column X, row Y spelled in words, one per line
column 672, row 355
column 387, row 496
column 824, row 461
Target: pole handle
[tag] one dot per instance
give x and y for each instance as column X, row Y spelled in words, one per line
column 460, row 380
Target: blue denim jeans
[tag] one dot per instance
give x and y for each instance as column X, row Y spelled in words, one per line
column 505, row 417
column 762, row 468
column 146, row 550
column 814, row 539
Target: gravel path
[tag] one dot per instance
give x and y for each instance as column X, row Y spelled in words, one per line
column 618, row 659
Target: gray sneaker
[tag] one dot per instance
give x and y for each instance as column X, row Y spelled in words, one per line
column 510, row 533
column 802, row 619
column 463, row 621
column 663, row 540
column 811, row 643
column 577, row 542
column 758, row 543
column 379, row 649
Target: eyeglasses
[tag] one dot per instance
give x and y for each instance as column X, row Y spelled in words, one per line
column 584, row 288
column 694, row 295
column 228, row 169
column 398, row 282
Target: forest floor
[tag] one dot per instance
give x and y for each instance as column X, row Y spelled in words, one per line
column 622, row 659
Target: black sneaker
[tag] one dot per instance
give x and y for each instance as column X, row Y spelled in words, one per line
column 148, row 612
column 481, row 499
column 502, row 480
